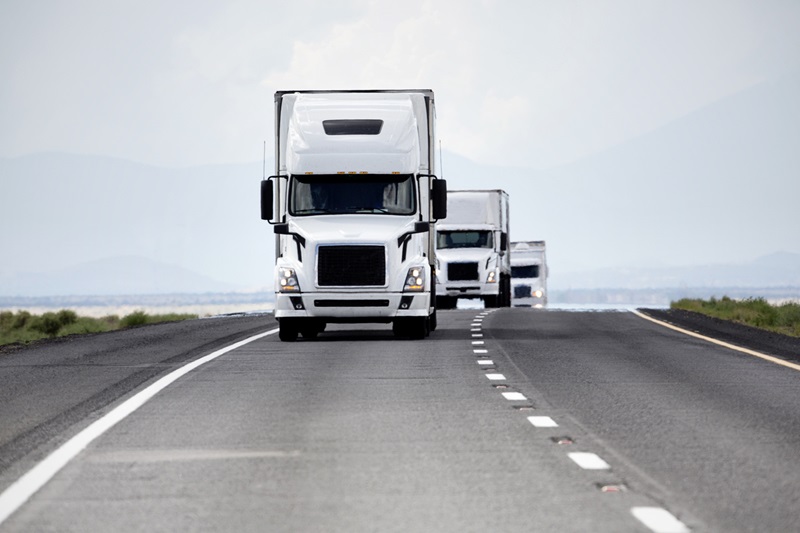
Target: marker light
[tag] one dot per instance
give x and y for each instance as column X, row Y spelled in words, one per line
column 492, row 277
column 415, row 280
column 288, row 281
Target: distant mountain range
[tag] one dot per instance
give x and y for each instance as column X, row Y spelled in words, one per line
column 780, row 269
column 111, row 276
column 704, row 197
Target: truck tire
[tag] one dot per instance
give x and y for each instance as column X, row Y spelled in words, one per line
column 288, row 330
column 491, row 301
column 415, row 327
column 432, row 321
column 310, row 328
column 446, row 302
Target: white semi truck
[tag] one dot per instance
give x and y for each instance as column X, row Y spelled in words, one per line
column 354, row 201
column 529, row 274
column 472, row 249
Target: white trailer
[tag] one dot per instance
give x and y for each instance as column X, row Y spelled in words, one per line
column 354, row 201
column 529, row 274
column 472, row 249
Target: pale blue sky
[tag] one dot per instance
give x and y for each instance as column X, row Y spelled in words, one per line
column 529, row 83
column 640, row 132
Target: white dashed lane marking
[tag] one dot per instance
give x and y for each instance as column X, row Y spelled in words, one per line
column 496, row 377
column 659, row 520
column 542, row 422
column 589, row 461
column 485, row 362
column 479, row 350
column 477, row 343
column 514, row 396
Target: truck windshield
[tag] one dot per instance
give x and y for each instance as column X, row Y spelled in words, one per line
column 525, row 271
column 464, row 239
column 336, row 194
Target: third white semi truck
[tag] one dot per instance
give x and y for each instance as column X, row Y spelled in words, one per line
column 472, row 249
column 529, row 274
column 354, row 201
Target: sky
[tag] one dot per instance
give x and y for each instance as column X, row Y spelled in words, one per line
column 537, row 85
column 527, row 83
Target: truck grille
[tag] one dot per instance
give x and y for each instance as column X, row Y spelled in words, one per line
column 351, row 266
column 522, row 291
column 462, row 271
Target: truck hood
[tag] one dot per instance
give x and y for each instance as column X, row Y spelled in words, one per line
column 352, row 228
column 461, row 255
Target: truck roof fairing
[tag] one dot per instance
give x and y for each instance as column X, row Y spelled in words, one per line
column 392, row 148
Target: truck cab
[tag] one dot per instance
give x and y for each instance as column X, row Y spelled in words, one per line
column 354, row 202
column 472, row 249
column 529, row 274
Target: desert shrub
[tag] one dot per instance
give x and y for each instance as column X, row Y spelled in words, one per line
column 46, row 324
column 137, row 318
column 21, row 320
column 66, row 317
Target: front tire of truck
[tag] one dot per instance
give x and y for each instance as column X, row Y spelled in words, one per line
column 311, row 328
column 288, row 330
column 446, row 302
column 416, row 327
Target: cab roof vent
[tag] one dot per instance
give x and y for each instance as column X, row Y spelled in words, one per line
column 360, row 126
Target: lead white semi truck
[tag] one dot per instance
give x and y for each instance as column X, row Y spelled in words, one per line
column 529, row 274
column 354, row 201
column 472, row 249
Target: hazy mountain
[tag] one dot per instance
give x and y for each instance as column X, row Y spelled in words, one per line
column 775, row 270
column 60, row 210
column 719, row 187
column 118, row 275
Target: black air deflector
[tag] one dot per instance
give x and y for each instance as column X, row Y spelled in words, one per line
column 351, row 266
column 349, row 126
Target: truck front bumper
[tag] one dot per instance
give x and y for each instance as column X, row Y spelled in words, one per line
column 467, row 289
column 352, row 307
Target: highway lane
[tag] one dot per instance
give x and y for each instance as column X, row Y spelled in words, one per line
column 712, row 431
column 50, row 388
column 357, row 431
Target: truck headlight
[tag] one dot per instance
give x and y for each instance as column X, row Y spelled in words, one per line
column 538, row 294
column 415, row 280
column 492, row 277
column 288, row 280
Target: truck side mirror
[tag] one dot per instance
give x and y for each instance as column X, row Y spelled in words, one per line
column 439, row 194
column 503, row 242
column 267, row 200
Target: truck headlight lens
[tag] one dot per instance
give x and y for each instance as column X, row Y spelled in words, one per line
column 538, row 294
column 492, row 277
column 415, row 280
column 288, row 280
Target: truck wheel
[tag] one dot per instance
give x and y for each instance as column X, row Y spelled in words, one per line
column 490, row 301
column 416, row 327
column 311, row 328
column 433, row 321
column 445, row 302
column 288, row 331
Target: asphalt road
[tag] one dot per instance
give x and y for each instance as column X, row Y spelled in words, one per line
column 558, row 421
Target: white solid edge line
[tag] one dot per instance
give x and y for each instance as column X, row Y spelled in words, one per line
column 26, row 486
column 719, row 342
column 589, row 461
column 659, row 520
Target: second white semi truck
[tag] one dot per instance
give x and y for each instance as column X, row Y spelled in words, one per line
column 529, row 274
column 354, row 201
column 472, row 249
